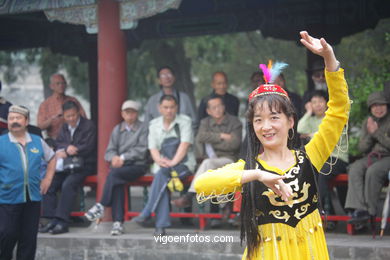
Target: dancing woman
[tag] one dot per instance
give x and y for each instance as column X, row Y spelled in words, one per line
column 280, row 215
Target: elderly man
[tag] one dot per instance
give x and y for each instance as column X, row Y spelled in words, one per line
column 317, row 74
column 170, row 143
column 368, row 175
column 21, row 185
column 50, row 114
column 167, row 79
column 76, row 156
column 219, row 83
column 217, row 142
column 126, row 153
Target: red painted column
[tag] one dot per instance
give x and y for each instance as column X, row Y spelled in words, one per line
column 112, row 81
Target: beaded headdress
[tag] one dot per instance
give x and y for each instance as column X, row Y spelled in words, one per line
column 270, row 72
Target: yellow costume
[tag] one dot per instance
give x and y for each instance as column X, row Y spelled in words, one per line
column 293, row 229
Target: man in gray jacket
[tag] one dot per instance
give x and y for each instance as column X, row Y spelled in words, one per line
column 217, row 143
column 368, row 175
column 126, row 153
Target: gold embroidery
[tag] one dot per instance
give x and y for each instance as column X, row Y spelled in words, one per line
column 304, row 208
column 277, row 214
column 272, row 197
column 315, row 198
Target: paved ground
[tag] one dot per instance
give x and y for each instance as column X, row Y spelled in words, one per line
column 94, row 242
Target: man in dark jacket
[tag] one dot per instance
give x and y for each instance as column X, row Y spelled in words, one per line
column 368, row 175
column 219, row 84
column 77, row 140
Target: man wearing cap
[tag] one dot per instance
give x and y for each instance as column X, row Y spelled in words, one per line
column 367, row 175
column 126, row 153
column 76, row 149
column 21, row 185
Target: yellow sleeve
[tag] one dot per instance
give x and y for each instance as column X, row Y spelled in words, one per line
column 219, row 183
column 336, row 117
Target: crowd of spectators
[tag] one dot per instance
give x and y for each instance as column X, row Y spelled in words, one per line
column 177, row 140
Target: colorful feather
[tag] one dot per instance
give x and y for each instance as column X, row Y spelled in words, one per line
column 269, row 64
column 277, row 70
column 266, row 73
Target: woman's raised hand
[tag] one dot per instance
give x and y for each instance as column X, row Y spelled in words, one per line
column 321, row 48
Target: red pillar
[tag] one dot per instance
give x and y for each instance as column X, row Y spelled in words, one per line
column 112, row 82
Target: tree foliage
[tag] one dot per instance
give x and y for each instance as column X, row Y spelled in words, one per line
column 365, row 57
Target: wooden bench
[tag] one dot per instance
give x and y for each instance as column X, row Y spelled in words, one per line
column 342, row 180
column 145, row 181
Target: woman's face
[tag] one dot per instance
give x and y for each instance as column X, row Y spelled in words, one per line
column 271, row 127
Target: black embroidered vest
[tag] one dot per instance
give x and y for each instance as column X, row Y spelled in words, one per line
column 270, row 208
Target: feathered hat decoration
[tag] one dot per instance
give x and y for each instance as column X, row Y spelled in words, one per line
column 270, row 72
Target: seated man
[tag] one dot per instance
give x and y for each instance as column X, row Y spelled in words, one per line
column 126, row 153
column 77, row 142
column 366, row 176
column 337, row 162
column 169, row 140
column 218, row 140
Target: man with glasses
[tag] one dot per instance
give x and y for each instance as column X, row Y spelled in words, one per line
column 166, row 79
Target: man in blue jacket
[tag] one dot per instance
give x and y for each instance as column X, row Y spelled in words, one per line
column 21, row 185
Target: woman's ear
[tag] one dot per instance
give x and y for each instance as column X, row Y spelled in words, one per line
column 291, row 122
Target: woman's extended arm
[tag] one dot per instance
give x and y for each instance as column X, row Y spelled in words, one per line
column 336, row 117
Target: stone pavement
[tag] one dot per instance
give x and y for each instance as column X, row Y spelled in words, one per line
column 94, row 242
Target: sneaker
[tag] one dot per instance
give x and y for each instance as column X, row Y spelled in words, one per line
column 359, row 216
column 94, row 213
column 117, row 229
column 140, row 220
